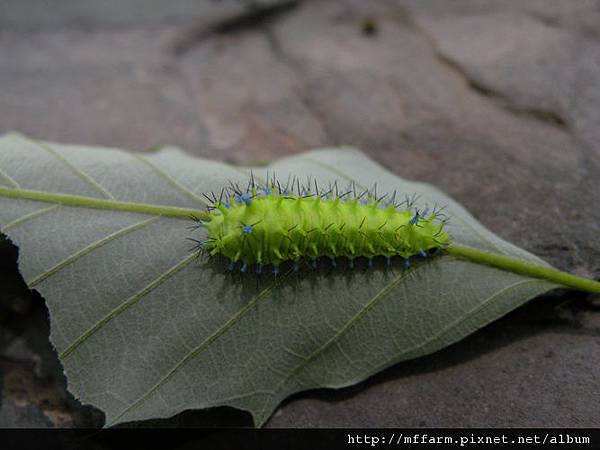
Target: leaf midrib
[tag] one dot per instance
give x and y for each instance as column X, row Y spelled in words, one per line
column 98, row 203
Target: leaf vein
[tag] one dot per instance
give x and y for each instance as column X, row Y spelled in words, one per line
column 126, row 304
column 461, row 319
column 368, row 306
column 199, row 348
column 160, row 172
column 29, row 216
column 8, row 178
column 89, row 248
column 80, row 173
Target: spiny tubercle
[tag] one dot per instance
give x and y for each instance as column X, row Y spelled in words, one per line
column 267, row 227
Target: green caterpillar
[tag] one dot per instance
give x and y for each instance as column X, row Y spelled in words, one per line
column 269, row 225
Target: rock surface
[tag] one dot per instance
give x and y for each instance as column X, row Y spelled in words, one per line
column 496, row 103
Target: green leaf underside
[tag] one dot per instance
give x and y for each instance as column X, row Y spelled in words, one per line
column 144, row 330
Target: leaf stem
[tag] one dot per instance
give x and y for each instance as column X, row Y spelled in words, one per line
column 524, row 268
column 479, row 256
column 100, row 203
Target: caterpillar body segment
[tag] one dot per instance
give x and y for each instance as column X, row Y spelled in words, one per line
column 270, row 225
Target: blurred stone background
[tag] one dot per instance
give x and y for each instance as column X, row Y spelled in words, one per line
column 495, row 102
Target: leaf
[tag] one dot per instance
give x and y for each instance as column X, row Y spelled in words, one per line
column 145, row 331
